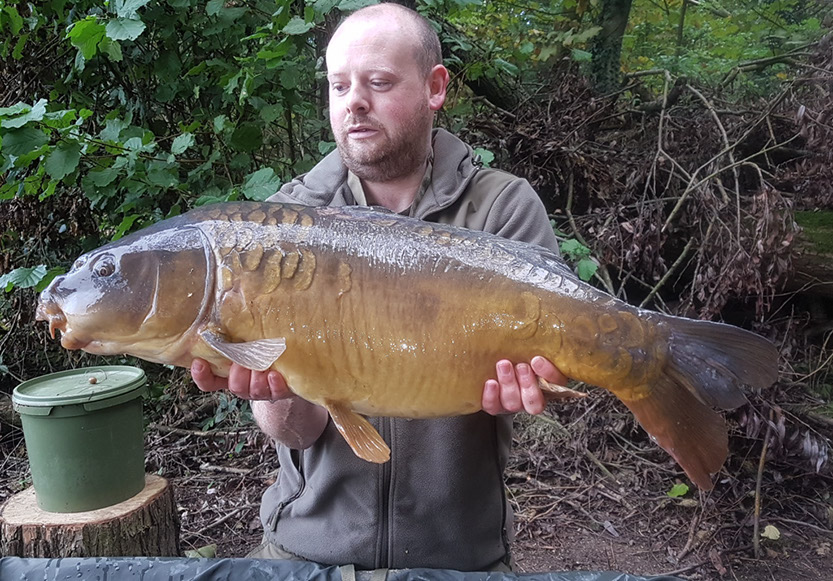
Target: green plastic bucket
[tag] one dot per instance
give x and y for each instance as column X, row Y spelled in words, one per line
column 83, row 432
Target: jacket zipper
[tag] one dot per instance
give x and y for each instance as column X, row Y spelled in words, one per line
column 386, row 481
column 272, row 523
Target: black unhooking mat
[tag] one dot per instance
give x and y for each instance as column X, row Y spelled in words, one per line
column 174, row 569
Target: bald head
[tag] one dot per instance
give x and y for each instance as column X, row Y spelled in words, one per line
column 418, row 31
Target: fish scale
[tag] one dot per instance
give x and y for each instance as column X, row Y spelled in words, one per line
column 368, row 312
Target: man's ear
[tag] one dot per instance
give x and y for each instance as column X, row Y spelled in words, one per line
column 438, row 80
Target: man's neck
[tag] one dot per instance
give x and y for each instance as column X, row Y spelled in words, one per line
column 395, row 195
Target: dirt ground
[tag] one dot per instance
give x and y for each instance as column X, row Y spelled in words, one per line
column 585, row 498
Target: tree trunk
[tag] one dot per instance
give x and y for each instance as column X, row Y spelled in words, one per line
column 146, row 525
column 607, row 46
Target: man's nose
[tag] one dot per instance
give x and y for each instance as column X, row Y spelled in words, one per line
column 357, row 100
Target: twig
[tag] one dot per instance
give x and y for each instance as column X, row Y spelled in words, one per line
column 220, row 520
column 559, row 427
column 602, row 273
column 227, row 469
column 668, row 273
column 691, row 187
column 701, row 563
column 756, row 525
column 198, row 433
column 729, row 150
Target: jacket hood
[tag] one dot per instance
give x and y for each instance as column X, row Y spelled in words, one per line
column 326, row 184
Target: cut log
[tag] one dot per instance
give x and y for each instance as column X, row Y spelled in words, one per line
column 813, row 254
column 144, row 525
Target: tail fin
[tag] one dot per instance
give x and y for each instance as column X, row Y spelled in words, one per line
column 709, row 365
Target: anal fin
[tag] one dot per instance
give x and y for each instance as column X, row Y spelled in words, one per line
column 555, row 392
column 359, row 433
column 692, row 432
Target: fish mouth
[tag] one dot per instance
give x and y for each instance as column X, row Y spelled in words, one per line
column 57, row 320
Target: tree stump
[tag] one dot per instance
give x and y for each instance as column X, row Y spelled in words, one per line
column 144, row 525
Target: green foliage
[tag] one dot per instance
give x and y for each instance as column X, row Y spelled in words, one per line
column 718, row 36
column 580, row 256
column 230, row 410
column 37, row 276
column 678, row 490
column 158, row 105
column 486, row 156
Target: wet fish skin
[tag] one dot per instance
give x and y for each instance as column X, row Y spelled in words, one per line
column 384, row 315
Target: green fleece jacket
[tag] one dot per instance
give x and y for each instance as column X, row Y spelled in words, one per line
column 440, row 501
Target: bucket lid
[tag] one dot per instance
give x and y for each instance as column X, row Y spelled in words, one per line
column 80, row 386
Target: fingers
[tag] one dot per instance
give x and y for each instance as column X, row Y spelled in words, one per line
column 544, row 368
column 204, row 378
column 515, row 389
column 243, row 383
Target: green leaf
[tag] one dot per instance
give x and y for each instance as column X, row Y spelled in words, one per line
column 49, row 277
column 771, row 532
column 586, row 268
column 580, row 56
column 325, row 147
column 111, row 48
column 507, row 67
column 125, row 225
column 247, row 137
column 162, row 176
column 128, row 8
column 298, row 26
column 33, row 113
column 289, row 78
column 63, row 160
column 271, row 112
column 17, row 52
column 85, row 36
column 112, row 130
column 486, row 156
column 104, row 177
column 125, row 29
column 206, row 552
column 574, row 249
column 20, row 141
column 182, row 143
column 220, row 122
column 213, row 7
column 15, row 20
column 678, row 490
column 261, row 184
column 15, row 109
column 22, row 277
column 353, row 5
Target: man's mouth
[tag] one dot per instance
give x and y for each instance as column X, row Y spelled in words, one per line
column 361, row 131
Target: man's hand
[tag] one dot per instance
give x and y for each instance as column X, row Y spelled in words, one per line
column 242, row 382
column 516, row 387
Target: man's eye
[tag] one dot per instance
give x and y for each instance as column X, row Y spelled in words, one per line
column 338, row 88
column 380, row 84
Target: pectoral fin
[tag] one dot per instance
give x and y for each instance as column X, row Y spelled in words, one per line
column 553, row 392
column 256, row 355
column 359, row 433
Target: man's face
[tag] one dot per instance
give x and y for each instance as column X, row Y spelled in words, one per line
column 381, row 103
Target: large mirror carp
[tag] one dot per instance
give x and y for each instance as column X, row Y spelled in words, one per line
column 368, row 312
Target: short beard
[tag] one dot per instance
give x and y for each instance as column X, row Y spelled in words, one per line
column 403, row 155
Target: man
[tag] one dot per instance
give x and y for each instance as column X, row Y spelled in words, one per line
column 439, row 501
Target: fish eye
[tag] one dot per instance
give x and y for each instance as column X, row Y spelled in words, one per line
column 104, row 266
